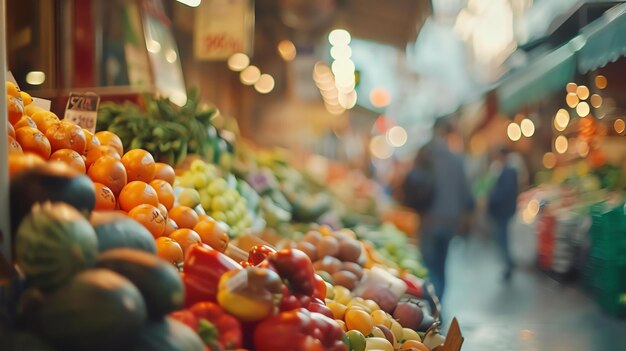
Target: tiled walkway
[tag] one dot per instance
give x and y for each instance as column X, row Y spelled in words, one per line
column 531, row 313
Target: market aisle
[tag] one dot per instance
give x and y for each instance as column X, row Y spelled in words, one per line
column 532, row 313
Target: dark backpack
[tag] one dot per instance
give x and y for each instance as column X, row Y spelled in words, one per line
column 418, row 187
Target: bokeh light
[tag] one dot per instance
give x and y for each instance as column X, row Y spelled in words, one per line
column 250, row 75
column 561, row 120
column 601, row 82
column 513, row 131
column 528, row 127
column 549, row 160
column 396, row 136
column 237, row 62
column 582, row 109
column 582, row 92
column 379, row 148
column 561, row 144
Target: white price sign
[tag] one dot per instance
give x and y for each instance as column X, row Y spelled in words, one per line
column 82, row 110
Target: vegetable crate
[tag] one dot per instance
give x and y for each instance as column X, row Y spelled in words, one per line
column 606, row 267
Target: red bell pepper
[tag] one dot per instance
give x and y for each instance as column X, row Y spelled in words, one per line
column 296, row 267
column 320, row 288
column 216, row 328
column 415, row 285
column 299, row 330
column 258, row 253
column 202, row 271
column 320, row 307
column 291, row 301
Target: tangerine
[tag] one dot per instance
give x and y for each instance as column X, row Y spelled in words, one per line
column 32, row 140
column 14, row 146
column 66, row 135
column 91, row 141
column 25, row 121
column 20, row 162
column 169, row 250
column 165, row 172
column 150, row 217
column 71, row 158
column 30, row 109
column 15, row 109
column 109, row 171
column 165, row 192
column 186, row 238
column 103, row 150
column 105, row 200
column 12, row 89
column 212, row 234
column 139, row 165
column 184, row 216
column 136, row 193
column 44, row 119
column 26, row 98
column 111, row 139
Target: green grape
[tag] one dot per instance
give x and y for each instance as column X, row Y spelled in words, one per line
column 200, row 180
column 219, row 204
column 198, row 166
column 218, row 186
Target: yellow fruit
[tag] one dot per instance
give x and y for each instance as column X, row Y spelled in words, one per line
column 13, row 90
column 359, row 320
column 377, row 343
column 26, row 98
column 396, row 329
column 410, row 334
column 189, row 197
column 380, row 317
column 342, row 295
column 337, row 308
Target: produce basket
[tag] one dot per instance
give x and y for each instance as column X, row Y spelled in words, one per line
column 606, row 265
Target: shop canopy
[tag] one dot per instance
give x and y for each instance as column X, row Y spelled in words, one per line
column 605, row 40
column 598, row 43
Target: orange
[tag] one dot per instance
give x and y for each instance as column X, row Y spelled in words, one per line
column 414, row 345
column 104, row 150
column 32, row 140
column 150, row 217
column 66, row 135
column 19, row 162
column 44, row 119
column 184, row 216
column 136, row 193
column 91, row 140
column 139, row 165
column 26, row 98
column 212, row 234
column 15, row 109
column 25, row 121
column 14, row 146
column 78, row 140
column 111, row 139
column 105, row 200
column 30, row 109
column 11, row 130
column 170, row 226
column 185, row 238
column 71, row 158
column 110, row 172
column 12, row 89
column 169, row 250
column 164, row 191
column 165, row 172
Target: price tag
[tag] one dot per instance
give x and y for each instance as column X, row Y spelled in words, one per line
column 42, row 103
column 82, row 110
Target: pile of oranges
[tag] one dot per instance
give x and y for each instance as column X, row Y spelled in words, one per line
column 129, row 182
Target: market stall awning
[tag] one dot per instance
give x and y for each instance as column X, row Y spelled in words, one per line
column 605, row 40
column 542, row 77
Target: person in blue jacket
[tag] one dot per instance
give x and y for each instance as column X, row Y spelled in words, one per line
column 502, row 205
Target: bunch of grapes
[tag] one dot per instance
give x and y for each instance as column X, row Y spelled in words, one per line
column 218, row 198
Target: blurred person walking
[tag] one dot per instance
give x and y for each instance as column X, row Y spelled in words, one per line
column 502, row 205
column 437, row 188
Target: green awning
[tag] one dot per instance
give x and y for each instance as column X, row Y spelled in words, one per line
column 605, row 40
column 543, row 77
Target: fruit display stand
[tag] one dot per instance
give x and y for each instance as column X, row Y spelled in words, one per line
column 204, row 256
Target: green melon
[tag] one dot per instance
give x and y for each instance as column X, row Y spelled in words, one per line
column 53, row 243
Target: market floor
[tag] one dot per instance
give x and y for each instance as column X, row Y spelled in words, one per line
column 531, row 313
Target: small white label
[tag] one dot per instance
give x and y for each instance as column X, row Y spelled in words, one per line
column 82, row 110
column 11, row 79
column 42, row 103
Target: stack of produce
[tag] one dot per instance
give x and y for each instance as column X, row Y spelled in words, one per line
column 167, row 131
column 112, row 257
column 218, row 196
